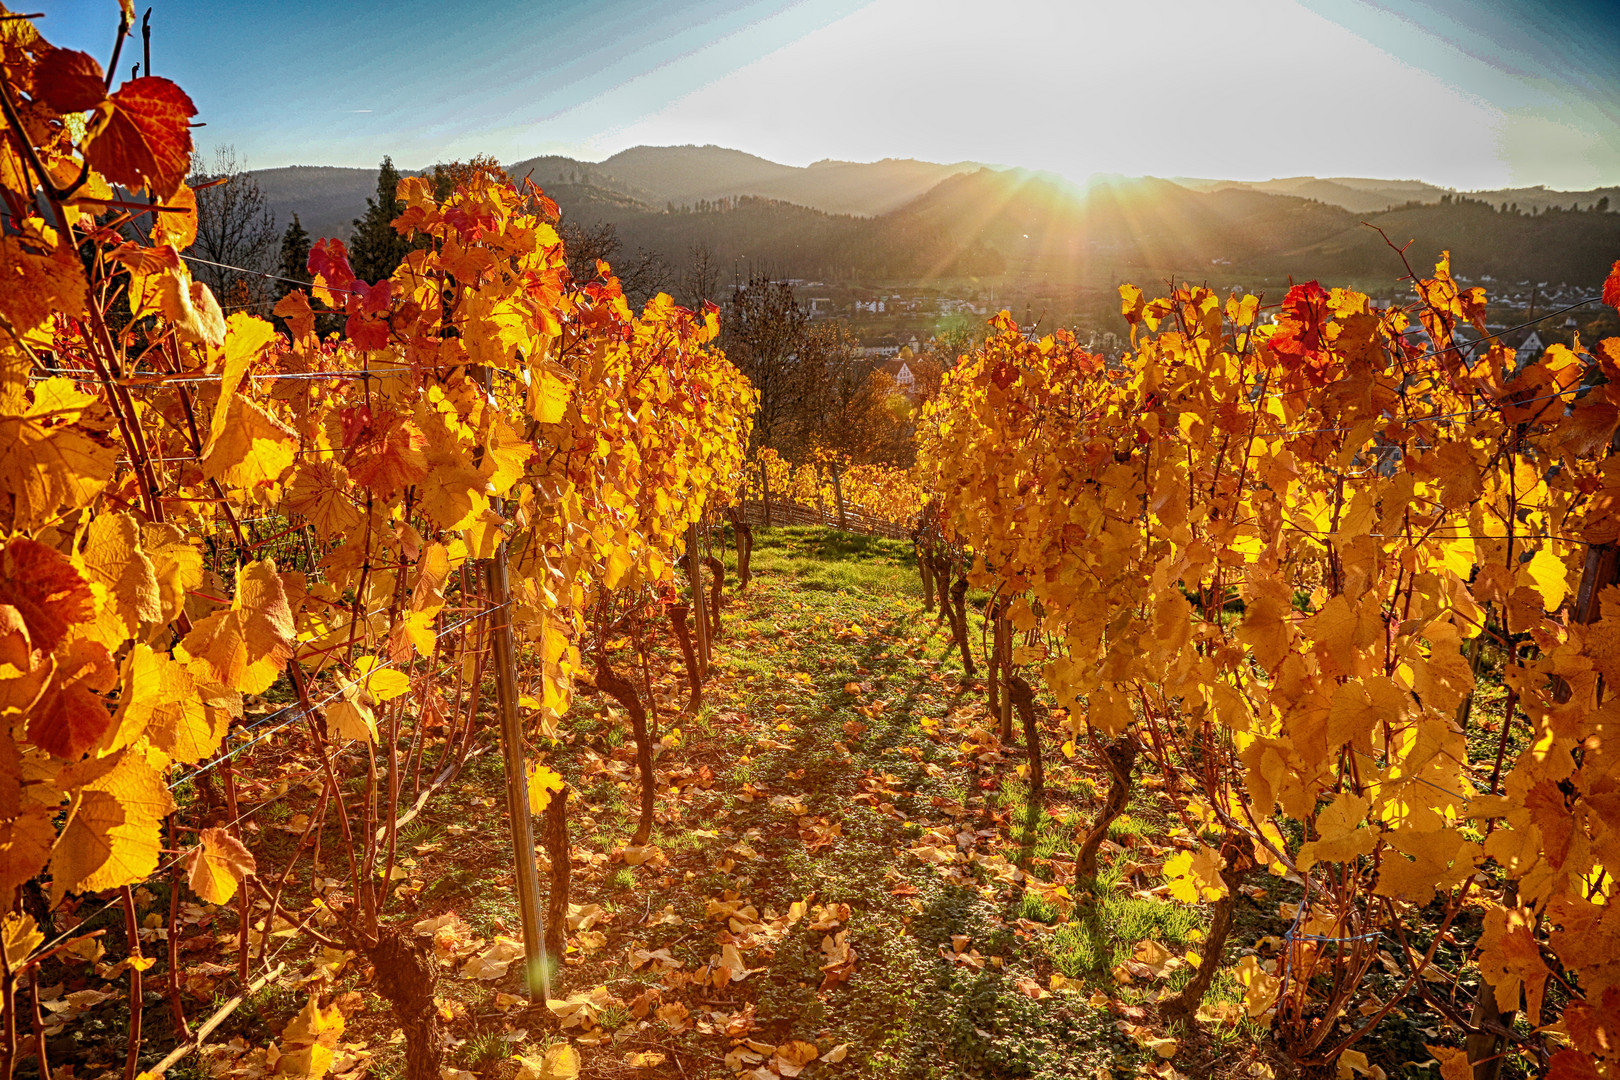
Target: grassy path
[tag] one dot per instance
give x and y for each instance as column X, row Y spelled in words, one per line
column 843, row 880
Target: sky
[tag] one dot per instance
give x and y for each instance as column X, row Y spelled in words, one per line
column 1468, row 94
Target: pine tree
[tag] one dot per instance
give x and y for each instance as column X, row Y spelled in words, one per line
column 376, row 249
column 294, row 257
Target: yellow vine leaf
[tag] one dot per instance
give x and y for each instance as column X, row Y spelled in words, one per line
column 122, row 577
column 1420, row 862
column 1265, row 629
column 1339, row 835
column 252, row 448
column 42, row 595
column 177, row 565
column 50, row 459
column 382, row 683
column 349, row 719
column 246, row 646
column 36, row 285
column 245, row 338
column 319, row 493
column 1548, row 576
column 19, row 936
column 1195, row 875
column 217, row 865
column 112, row 832
column 26, row 830
column 549, row 393
column 542, row 782
column 1509, row 958
column 70, row 716
column 163, row 702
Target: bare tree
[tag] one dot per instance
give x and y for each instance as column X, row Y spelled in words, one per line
column 236, row 234
column 762, row 334
column 641, row 275
column 847, row 403
column 700, row 281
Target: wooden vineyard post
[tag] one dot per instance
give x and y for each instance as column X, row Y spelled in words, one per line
column 1003, row 647
column 765, row 490
column 694, row 570
column 838, row 497
column 517, row 793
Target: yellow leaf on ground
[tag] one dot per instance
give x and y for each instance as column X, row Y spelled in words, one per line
column 792, row 1057
column 557, row 1062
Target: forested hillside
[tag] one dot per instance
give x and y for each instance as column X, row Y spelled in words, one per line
column 911, row 221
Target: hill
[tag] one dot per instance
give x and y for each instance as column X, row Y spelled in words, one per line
column 1554, row 246
column 1361, row 195
column 325, row 198
column 1118, row 223
column 898, row 220
column 687, row 175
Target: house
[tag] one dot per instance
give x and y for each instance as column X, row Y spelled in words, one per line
column 1526, row 345
column 905, row 380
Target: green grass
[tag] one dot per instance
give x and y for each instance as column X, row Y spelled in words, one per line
column 1124, row 826
column 830, row 561
column 1104, row 934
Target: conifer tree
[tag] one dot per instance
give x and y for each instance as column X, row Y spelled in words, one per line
column 376, row 249
column 294, row 257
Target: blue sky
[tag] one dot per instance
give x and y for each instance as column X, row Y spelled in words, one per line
column 1465, row 94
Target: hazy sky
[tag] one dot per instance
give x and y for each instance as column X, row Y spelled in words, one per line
column 1467, row 94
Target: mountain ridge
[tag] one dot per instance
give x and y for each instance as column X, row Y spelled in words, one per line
column 900, row 218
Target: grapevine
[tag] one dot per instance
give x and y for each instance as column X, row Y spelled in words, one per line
column 196, row 509
column 1272, row 552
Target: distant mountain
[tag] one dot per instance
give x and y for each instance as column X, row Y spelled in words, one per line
column 325, row 198
column 1355, row 194
column 1361, row 195
column 910, row 220
column 1556, row 245
column 553, row 171
column 1118, row 222
column 687, row 175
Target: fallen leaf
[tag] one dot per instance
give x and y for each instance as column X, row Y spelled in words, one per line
column 792, row 1057
column 493, row 961
column 559, row 1061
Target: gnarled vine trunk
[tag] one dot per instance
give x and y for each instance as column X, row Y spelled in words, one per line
column 406, row 978
column 683, row 635
column 1120, row 757
column 554, row 837
column 624, row 692
column 942, row 585
column 1023, row 699
column 1237, row 859
column 995, row 675
column 959, row 624
column 717, row 584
